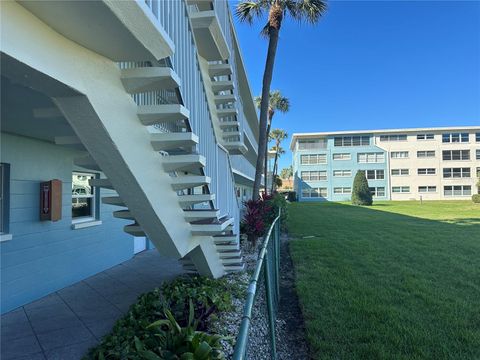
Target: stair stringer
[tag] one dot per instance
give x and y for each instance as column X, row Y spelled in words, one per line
column 117, row 141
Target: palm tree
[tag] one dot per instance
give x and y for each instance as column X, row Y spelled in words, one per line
column 275, row 102
column 278, row 152
column 278, row 135
column 302, row 10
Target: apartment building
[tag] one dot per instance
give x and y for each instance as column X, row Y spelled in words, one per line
column 125, row 125
column 400, row 164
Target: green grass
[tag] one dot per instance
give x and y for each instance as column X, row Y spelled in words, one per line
column 397, row 280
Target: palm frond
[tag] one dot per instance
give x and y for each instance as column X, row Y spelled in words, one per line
column 309, row 10
column 247, row 11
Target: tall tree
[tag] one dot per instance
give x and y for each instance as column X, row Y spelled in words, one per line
column 276, row 102
column 277, row 135
column 302, row 10
column 287, row 173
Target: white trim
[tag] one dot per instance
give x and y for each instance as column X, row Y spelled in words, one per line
column 5, row 237
column 86, row 224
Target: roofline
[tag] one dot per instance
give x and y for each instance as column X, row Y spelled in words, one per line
column 295, row 136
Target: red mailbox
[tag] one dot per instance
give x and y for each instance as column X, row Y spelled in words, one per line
column 51, row 200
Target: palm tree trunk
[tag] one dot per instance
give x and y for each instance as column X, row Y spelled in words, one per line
column 267, row 80
column 265, row 167
column 274, row 170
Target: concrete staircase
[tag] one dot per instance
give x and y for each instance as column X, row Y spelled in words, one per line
column 213, row 235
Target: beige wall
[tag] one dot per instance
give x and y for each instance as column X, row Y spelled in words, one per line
column 412, row 145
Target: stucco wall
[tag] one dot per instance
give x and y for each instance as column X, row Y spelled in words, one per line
column 43, row 257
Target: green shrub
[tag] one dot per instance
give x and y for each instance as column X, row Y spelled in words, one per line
column 361, row 194
column 292, row 196
column 132, row 337
column 278, row 201
column 476, row 198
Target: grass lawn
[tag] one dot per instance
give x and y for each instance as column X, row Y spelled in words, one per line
column 397, row 280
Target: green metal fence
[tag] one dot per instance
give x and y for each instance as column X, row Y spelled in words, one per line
column 269, row 264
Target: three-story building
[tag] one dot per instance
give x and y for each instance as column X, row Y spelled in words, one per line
column 400, row 164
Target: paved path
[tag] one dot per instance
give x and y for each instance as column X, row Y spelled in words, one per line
column 65, row 324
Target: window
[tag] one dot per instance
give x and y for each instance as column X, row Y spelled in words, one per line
column 456, row 154
column 4, row 197
column 312, row 144
column 477, row 154
column 456, row 173
column 477, row 137
column 377, row 191
column 313, row 159
column 426, row 171
column 393, row 137
column 401, row 189
column 342, row 190
column 399, row 154
column 351, row 141
column 400, row 172
column 427, row 189
column 313, row 175
column 314, row 193
column 455, row 138
column 342, row 156
column 342, row 173
column 371, row 157
column 375, row 174
column 457, row 190
column 426, row 154
column 83, row 196
column 425, row 136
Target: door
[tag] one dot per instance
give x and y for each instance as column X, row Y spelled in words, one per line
column 139, row 244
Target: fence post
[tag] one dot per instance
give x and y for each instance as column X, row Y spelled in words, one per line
column 271, row 318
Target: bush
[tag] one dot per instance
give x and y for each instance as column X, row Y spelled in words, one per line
column 476, row 198
column 148, row 330
column 361, row 194
column 276, row 202
column 292, row 196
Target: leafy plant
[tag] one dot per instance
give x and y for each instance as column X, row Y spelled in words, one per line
column 361, row 194
column 476, row 198
column 208, row 296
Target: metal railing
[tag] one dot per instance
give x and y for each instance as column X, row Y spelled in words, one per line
column 269, row 263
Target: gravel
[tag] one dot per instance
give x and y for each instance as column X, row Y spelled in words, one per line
column 290, row 336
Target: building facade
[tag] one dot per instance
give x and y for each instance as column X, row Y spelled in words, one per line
column 141, row 113
column 400, row 164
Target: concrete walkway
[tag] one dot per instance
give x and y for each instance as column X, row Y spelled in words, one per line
column 65, row 324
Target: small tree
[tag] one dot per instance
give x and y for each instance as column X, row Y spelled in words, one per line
column 361, row 194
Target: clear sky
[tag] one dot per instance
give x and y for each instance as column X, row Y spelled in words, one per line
column 370, row 65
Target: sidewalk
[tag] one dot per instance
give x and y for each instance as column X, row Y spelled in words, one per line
column 65, row 324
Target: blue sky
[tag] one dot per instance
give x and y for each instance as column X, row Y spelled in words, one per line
column 379, row 64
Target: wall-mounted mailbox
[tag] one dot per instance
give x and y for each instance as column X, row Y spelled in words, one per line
column 51, row 200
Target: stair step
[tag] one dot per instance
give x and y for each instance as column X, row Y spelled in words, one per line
column 226, row 247
column 189, row 181
column 87, row 162
column 101, row 183
column 232, row 261
column 154, row 114
column 123, row 214
column 188, row 163
column 224, row 99
column 208, row 229
column 225, row 239
column 143, row 79
column 222, row 85
column 224, row 124
column 113, row 200
column 134, row 230
column 199, row 214
column 219, row 69
column 233, row 268
column 186, row 200
column 237, row 254
column 168, row 141
column 227, row 112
